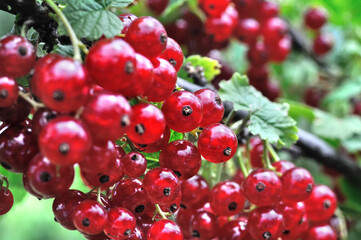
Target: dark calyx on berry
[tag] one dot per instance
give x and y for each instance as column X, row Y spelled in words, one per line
column 4, row 93
column 125, row 121
column 260, row 186
column 173, row 62
column 139, row 208
column 309, row 188
column 58, row 96
column 166, row 191
column 45, row 177
column 22, row 51
column 127, row 233
column 267, row 235
column 177, row 173
column 140, row 129
column 187, row 110
column 327, row 204
column 227, row 151
column 104, row 179
column 286, row 232
column 163, row 38
column 6, row 166
column 218, row 100
column 86, row 222
column 196, row 234
column 134, row 157
column 64, row 148
column 232, row 206
column 173, row 207
column 129, row 67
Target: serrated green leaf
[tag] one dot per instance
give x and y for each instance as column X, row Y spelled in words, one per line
column 90, row 19
column 115, row 3
column 211, row 67
column 331, row 127
column 65, row 50
column 352, row 144
column 352, row 194
column 267, row 119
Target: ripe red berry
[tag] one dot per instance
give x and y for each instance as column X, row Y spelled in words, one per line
column 111, row 63
column 183, row 111
column 292, row 212
column 90, row 217
column 16, row 113
column 157, row 6
column 273, row 30
column 268, row 10
column 147, row 36
column 173, row 53
column 41, row 118
column 161, row 185
column 8, row 91
column 298, row 231
column 247, row 30
column 195, row 192
column 134, row 164
column 262, row 187
column 278, row 52
column 221, row 28
column 121, row 223
column 155, row 146
column 217, row 143
column 322, row 44
column 321, row 205
column 204, row 225
column 214, row 8
column 17, row 56
column 213, row 109
column 315, row 17
column 182, row 157
column 163, row 230
column 127, row 19
column 65, row 141
column 256, row 153
column 320, row 232
column 147, row 124
column 6, row 200
column 226, row 198
column 234, row 230
column 107, row 115
column 258, row 54
column 282, row 166
column 297, row 184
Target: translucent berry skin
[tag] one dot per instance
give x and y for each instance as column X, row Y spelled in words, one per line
column 321, row 205
column 155, row 146
column 48, row 180
column 298, row 231
column 292, row 212
column 204, row 225
column 321, row 232
column 134, row 164
column 282, row 166
column 147, row 125
column 65, row 141
column 111, row 63
column 41, row 118
column 258, row 54
column 214, row 8
column 6, row 200
column 63, row 207
column 221, row 28
column 126, row 188
column 121, row 223
column 142, row 79
column 247, row 30
column 265, row 223
column 322, row 44
column 8, row 91
column 195, row 192
column 18, row 146
column 268, row 10
column 182, row 157
column 107, row 115
column 256, row 153
column 173, row 53
column 28, row 188
column 183, row 111
column 161, row 185
column 127, row 19
column 226, row 198
column 297, row 184
column 137, row 234
column 213, row 109
column 147, row 36
column 279, row 51
column 165, row 78
column 62, row 84
column 217, row 143
column 17, row 56
column 157, row 6
column 315, row 18
column 262, row 187
column 16, row 113
column 234, row 230
column 183, row 220
column 163, row 230
column 274, row 30
column 90, row 217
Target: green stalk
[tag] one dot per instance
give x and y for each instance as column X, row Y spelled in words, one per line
column 273, row 153
column 73, row 38
column 219, row 173
column 229, row 117
column 161, row 213
column 242, row 165
column 266, row 159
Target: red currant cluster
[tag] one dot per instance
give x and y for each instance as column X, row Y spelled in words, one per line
column 289, row 206
column 315, row 18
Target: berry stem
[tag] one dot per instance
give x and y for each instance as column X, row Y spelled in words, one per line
column 131, row 145
column 73, row 38
column 229, row 117
column 2, row 180
column 99, row 200
column 242, row 165
column 273, row 153
column 158, row 210
column 266, row 159
column 34, row 104
column 342, row 224
column 219, row 173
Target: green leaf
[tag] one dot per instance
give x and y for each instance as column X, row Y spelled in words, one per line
column 345, row 91
column 175, row 136
column 90, row 19
column 172, row 11
column 15, row 185
column 331, row 127
column 211, row 67
column 115, row 3
column 352, row 144
column 352, row 194
column 65, row 50
column 267, row 119
column 299, row 110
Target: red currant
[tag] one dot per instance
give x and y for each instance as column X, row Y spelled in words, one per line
column 173, row 53
column 134, row 164
column 8, row 91
column 322, row 44
column 247, row 30
column 315, row 17
column 6, row 200
column 121, row 223
column 163, row 230
column 297, row 184
column 320, row 232
column 213, row 109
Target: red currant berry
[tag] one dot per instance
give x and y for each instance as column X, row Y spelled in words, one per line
column 315, row 17
column 163, row 230
column 8, row 91
column 195, row 192
column 282, row 166
column 165, row 78
column 273, row 30
column 204, row 226
column 292, row 213
column 157, row 6
column 258, row 54
column 256, row 153
column 321, row 205
column 313, row 96
column 155, row 146
column 127, row 19
column 90, row 217
column 321, row 232
column 268, row 10
column 6, row 200
column 247, row 30
column 298, row 231
column 148, row 36
column 47, row 179
column 183, row 220
column 213, row 109
column 41, row 118
column 214, row 8
column 221, row 28
column 147, row 124
column 297, row 184
column 17, row 56
column 173, row 53
column 322, row 44
column 107, row 116
column 104, row 200
column 161, row 185
column 137, row 234
column 111, row 63
column 121, row 223
column 262, row 187
column 134, row 164
column 217, row 143
column 63, row 207
column 65, row 141
column 234, row 230
column 16, row 113
column 278, row 52
column 28, row 188
column 226, row 198
column 182, row 157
